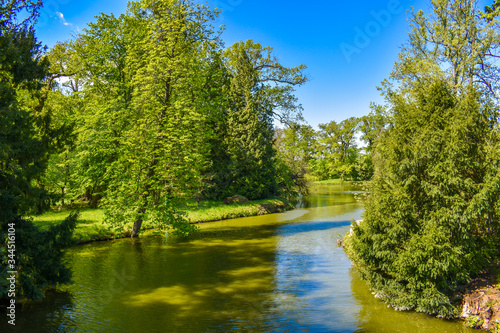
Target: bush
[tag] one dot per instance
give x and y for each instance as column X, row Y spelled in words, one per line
column 37, row 257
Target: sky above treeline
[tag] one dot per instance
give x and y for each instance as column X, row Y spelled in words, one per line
column 348, row 47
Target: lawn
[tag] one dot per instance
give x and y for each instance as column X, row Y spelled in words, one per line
column 91, row 224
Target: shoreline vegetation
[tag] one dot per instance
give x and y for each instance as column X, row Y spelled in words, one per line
column 91, row 225
column 477, row 302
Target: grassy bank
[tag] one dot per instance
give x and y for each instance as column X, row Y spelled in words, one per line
column 337, row 181
column 91, row 225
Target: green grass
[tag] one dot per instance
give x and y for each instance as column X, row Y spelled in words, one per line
column 329, row 182
column 216, row 210
column 91, row 225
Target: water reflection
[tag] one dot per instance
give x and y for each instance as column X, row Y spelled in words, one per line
column 375, row 316
column 273, row 273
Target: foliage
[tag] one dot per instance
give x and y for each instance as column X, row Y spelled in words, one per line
column 474, row 322
column 38, row 256
column 451, row 43
column 491, row 12
column 254, row 103
column 372, row 125
column 295, row 147
column 431, row 221
column 336, row 146
column 27, row 136
column 161, row 112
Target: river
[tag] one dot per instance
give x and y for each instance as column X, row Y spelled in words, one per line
column 273, row 273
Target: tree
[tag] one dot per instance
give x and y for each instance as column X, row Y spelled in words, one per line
column 165, row 148
column 261, row 88
column 372, row 125
column 338, row 146
column 27, row 135
column 295, row 147
column 451, row 43
column 431, row 221
column 98, row 64
column 491, row 12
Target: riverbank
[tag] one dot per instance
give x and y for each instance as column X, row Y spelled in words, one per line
column 91, row 225
column 478, row 303
column 481, row 302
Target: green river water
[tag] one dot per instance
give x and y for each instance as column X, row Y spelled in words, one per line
column 274, row 273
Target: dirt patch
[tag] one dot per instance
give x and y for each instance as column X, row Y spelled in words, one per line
column 481, row 304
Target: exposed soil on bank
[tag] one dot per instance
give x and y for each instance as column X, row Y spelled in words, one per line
column 481, row 303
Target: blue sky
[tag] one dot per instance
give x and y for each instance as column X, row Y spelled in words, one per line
column 348, row 47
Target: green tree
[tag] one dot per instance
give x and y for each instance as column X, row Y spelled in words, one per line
column 216, row 91
column 102, row 77
column 260, row 89
column 295, row 148
column 27, row 135
column 491, row 12
column 451, row 43
column 337, row 146
column 63, row 103
column 371, row 127
column 164, row 151
column 431, row 221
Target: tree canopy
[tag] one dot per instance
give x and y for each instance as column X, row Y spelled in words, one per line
column 27, row 137
column 432, row 218
column 162, row 112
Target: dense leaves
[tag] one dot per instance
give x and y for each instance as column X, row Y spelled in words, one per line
column 432, row 218
column 27, row 136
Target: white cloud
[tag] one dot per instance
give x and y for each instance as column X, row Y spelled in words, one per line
column 62, row 19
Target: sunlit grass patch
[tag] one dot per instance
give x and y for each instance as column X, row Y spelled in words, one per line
column 91, row 225
column 216, row 210
column 329, row 182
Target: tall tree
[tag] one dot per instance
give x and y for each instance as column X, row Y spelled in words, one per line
column 164, row 151
column 261, row 89
column 452, row 43
column 26, row 138
column 103, row 79
column 431, row 221
column 338, row 146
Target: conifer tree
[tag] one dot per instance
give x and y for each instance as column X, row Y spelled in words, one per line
column 432, row 218
column 431, row 221
column 254, row 103
column 26, row 138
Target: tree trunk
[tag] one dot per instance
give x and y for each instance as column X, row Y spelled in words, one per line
column 136, row 228
column 138, row 223
column 94, row 202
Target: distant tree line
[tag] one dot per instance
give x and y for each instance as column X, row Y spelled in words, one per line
column 337, row 150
